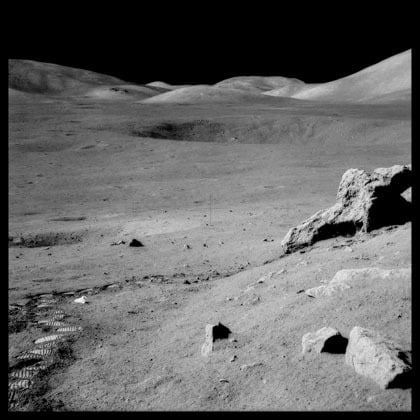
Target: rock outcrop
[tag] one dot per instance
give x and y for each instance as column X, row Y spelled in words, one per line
column 365, row 201
column 378, row 358
column 348, row 278
column 326, row 339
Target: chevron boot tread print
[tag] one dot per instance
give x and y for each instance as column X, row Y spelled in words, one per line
column 32, row 364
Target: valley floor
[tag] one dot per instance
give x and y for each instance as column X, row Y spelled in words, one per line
column 82, row 178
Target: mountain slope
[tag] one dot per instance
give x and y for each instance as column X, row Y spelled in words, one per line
column 389, row 79
column 36, row 77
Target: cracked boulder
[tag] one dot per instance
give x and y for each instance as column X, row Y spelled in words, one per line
column 379, row 359
column 365, row 202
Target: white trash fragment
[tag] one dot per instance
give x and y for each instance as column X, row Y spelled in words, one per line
column 82, row 299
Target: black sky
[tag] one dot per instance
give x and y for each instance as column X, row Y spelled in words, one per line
column 143, row 46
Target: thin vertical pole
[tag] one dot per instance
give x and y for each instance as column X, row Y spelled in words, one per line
column 211, row 199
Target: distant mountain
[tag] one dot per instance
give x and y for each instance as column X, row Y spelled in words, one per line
column 36, row 77
column 259, row 83
column 388, row 80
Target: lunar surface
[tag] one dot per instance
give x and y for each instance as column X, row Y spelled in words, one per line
column 208, row 179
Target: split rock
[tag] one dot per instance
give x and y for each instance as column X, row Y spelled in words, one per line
column 378, row 358
column 365, row 201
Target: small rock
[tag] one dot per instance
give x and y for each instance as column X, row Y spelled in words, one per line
column 118, row 243
column 378, row 358
column 186, row 282
column 250, row 366
column 135, row 243
column 186, row 246
column 326, row 339
column 233, row 358
column 213, row 332
column 224, row 380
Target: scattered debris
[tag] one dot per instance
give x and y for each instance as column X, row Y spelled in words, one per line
column 122, row 243
column 379, row 358
column 326, row 339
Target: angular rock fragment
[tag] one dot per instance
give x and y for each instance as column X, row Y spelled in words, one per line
column 326, row 339
column 136, row 243
column 366, row 201
column 82, row 300
column 213, row 332
column 379, row 359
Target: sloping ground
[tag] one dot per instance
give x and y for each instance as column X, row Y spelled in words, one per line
column 36, row 77
column 205, row 94
column 389, row 77
column 260, row 83
column 125, row 91
column 141, row 348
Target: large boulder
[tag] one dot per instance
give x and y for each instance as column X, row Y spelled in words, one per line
column 365, row 201
column 378, row 358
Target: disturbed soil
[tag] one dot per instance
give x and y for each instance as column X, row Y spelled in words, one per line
column 210, row 191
